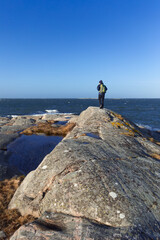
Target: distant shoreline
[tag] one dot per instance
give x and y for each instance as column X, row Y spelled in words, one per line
column 7, row 98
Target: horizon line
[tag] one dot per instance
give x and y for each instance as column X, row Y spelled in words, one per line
column 3, row 98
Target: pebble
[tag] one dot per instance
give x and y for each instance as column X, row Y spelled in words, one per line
column 122, row 215
column 44, row 167
column 66, row 151
column 2, row 235
column 113, row 195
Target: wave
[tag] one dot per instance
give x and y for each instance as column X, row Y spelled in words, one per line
column 12, row 116
column 148, row 127
column 53, row 111
column 39, row 113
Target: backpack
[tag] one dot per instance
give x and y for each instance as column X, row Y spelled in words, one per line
column 103, row 88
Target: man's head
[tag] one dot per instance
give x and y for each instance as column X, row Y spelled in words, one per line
column 101, row 82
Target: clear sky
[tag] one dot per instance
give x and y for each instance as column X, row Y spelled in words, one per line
column 62, row 48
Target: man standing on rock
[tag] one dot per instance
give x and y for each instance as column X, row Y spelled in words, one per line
column 102, row 90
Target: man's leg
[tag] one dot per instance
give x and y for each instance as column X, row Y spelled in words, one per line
column 100, row 100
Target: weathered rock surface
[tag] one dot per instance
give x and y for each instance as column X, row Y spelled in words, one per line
column 5, row 139
column 57, row 117
column 60, row 226
column 2, row 235
column 105, row 170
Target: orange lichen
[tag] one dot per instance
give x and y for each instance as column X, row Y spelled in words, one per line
column 117, row 124
column 130, row 134
column 81, row 135
column 123, row 124
column 155, row 155
column 154, row 141
column 118, row 116
column 151, row 139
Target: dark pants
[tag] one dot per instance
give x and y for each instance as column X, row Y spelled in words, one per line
column 101, row 99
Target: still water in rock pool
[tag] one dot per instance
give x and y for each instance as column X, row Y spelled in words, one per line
column 27, row 152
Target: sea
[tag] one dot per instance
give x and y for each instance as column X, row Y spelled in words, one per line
column 143, row 112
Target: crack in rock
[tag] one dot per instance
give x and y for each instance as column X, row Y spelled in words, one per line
column 68, row 169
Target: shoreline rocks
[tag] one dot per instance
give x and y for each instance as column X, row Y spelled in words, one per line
column 12, row 128
column 11, row 134
column 106, row 170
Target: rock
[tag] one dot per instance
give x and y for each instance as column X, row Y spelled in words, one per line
column 16, row 125
column 9, row 130
column 24, row 121
column 4, row 120
column 57, row 117
column 2, row 235
column 5, row 139
column 65, row 227
column 105, row 170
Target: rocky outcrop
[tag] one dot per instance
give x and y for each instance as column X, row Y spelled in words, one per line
column 12, row 128
column 106, row 170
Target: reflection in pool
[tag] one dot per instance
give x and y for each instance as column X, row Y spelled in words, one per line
column 27, row 152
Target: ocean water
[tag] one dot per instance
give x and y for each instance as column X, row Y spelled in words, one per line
column 144, row 112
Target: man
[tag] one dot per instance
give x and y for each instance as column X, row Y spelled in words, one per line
column 102, row 90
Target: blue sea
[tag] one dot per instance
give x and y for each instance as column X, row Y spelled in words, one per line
column 143, row 112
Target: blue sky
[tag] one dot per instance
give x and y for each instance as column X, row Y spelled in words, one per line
column 62, row 48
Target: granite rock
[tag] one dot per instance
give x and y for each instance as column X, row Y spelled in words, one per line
column 5, row 139
column 2, row 235
column 24, row 121
column 60, row 226
column 106, row 170
column 57, row 117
